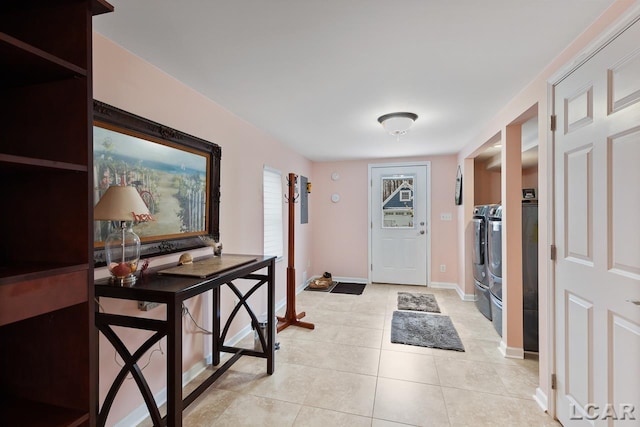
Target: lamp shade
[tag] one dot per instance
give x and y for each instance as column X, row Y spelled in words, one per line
column 397, row 124
column 120, row 203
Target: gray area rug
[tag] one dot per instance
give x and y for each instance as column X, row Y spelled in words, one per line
column 417, row 302
column 424, row 330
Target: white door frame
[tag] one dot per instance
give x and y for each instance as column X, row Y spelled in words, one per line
column 427, row 164
column 621, row 24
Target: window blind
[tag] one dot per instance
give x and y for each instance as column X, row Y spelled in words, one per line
column 272, row 199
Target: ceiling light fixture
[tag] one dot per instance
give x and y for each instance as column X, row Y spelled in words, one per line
column 397, row 124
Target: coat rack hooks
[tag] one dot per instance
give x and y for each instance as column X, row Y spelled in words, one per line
column 295, row 194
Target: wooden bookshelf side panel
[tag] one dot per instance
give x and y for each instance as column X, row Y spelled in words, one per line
column 22, row 300
column 46, row 358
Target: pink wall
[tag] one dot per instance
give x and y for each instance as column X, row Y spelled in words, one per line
column 530, row 178
column 340, row 230
column 336, row 238
column 127, row 82
column 486, row 185
column 534, row 96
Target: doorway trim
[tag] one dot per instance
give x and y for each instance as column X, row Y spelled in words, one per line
column 546, row 399
column 370, row 166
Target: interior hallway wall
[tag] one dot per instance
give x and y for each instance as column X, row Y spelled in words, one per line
column 536, row 94
column 127, row 82
column 340, row 230
column 486, row 185
column 530, row 178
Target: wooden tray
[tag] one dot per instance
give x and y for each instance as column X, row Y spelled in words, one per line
column 210, row 266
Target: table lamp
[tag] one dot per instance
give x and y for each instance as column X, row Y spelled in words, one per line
column 122, row 248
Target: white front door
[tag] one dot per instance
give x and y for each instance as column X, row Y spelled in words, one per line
column 597, row 214
column 398, row 206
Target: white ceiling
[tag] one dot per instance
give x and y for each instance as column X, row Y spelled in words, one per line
column 317, row 74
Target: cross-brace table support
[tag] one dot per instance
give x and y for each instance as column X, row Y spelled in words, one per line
column 173, row 291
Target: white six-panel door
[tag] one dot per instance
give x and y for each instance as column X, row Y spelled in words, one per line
column 597, row 215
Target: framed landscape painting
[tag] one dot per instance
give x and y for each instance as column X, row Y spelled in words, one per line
column 177, row 175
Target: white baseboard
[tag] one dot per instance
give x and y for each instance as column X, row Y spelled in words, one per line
column 541, row 399
column 443, row 285
column 502, row 348
column 335, row 279
column 351, row 280
column 141, row 412
column 343, row 279
column 511, row 352
column 461, row 294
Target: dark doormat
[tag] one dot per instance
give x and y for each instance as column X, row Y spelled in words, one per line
column 348, row 288
column 418, row 302
column 424, row 330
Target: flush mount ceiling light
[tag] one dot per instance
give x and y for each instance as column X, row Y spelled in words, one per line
column 397, row 124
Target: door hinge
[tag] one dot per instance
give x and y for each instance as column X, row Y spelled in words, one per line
column 371, row 267
column 553, row 122
column 554, row 383
column 553, row 252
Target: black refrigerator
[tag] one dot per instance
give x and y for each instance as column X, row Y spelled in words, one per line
column 530, row 274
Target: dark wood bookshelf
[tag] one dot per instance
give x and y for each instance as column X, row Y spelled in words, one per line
column 26, row 413
column 22, row 64
column 11, row 163
column 22, row 272
column 48, row 342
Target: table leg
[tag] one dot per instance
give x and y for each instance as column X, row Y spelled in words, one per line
column 215, row 328
column 271, row 314
column 174, row 364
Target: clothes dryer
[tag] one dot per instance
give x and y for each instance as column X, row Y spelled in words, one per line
column 494, row 264
column 479, row 260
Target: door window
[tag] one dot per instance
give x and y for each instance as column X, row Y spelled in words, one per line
column 397, row 201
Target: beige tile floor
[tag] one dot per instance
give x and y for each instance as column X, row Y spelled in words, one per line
column 347, row 372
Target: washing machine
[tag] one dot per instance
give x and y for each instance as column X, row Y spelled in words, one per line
column 479, row 260
column 494, row 264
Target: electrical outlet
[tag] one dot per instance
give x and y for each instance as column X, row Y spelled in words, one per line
column 146, row 305
column 443, row 268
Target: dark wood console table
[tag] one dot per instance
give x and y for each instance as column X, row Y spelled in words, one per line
column 172, row 291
